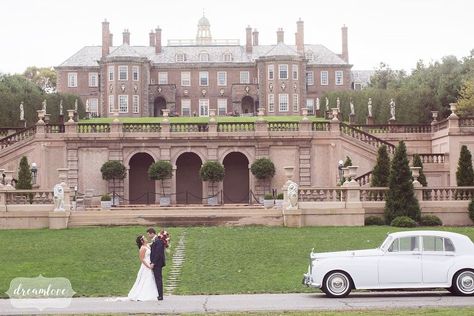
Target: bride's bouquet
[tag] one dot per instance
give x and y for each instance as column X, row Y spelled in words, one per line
column 165, row 237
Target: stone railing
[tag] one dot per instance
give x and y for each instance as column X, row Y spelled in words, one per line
column 335, row 194
column 395, row 128
column 189, row 127
column 365, row 137
column 283, row 126
column 19, row 136
column 466, row 122
column 320, row 126
column 236, row 127
column 373, row 194
column 5, row 131
column 141, row 127
column 27, row 197
column 433, row 158
column 440, row 125
column 447, row 193
column 364, row 179
column 54, row 128
column 93, row 128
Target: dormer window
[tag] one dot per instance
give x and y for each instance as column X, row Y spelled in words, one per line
column 227, row 57
column 203, row 56
column 180, row 57
column 309, row 55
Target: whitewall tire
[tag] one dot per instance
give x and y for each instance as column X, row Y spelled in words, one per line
column 337, row 284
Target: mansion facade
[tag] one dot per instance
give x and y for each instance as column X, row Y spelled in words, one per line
column 190, row 77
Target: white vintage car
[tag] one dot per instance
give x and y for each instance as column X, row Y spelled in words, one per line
column 405, row 260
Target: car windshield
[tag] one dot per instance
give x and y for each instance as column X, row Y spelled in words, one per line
column 386, row 243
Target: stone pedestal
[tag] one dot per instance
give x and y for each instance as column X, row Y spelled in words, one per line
column 392, row 121
column 261, row 128
column 369, row 120
column 352, row 119
column 58, row 220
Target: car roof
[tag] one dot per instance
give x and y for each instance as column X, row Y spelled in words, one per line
column 427, row 233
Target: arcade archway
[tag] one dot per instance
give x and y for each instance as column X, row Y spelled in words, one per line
column 236, row 180
column 142, row 189
column 158, row 106
column 248, row 105
column 188, row 182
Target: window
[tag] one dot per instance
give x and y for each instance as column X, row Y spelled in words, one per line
column 310, row 78
column 203, row 107
column 324, row 78
column 222, row 78
column 185, row 107
column 135, row 73
column 136, row 104
column 92, row 106
column 93, row 79
column 283, row 71
column 310, row 106
column 162, row 78
column 72, row 79
column 123, row 103
column 283, row 102
column 221, row 106
column 244, row 77
column 180, row 57
column 227, row 57
column 111, row 103
column 405, row 244
column 271, row 72
column 203, row 78
column 448, row 245
column 339, row 78
column 185, row 79
column 296, row 105
column 123, row 72
column 294, row 71
column 111, row 73
column 309, row 55
column 433, row 243
column 271, row 103
column 203, row 56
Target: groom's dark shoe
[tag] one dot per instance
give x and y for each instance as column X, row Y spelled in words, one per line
column 160, row 298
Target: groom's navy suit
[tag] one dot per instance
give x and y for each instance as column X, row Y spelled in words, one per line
column 157, row 257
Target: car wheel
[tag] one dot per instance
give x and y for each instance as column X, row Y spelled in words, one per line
column 337, row 284
column 463, row 282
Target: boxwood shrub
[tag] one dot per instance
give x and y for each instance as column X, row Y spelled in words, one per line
column 403, row 221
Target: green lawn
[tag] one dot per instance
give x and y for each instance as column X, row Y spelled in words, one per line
column 103, row 261
column 391, row 312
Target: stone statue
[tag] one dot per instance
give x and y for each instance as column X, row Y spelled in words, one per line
column 352, row 107
column 61, row 109
column 392, row 109
column 338, row 104
column 327, row 104
column 369, row 107
column 44, row 106
column 58, row 192
column 22, row 112
column 317, row 104
column 292, row 194
column 75, row 106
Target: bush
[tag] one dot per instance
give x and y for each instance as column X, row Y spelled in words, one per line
column 465, row 172
column 263, row 169
column 280, row 196
column 105, row 198
column 24, row 175
column 161, row 170
column 268, row 196
column 403, row 221
column 112, row 170
column 374, row 220
column 381, row 171
column 430, row 220
column 212, row 171
column 471, row 210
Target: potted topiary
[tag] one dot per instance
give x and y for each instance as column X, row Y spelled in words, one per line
column 263, row 169
column 106, row 202
column 161, row 170
column 268, row 200
column 113, row 170
column 279, row 201
column 212, row 171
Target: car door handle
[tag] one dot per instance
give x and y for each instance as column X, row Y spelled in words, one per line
column 416, row 253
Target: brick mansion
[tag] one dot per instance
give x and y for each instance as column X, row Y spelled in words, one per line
column 190, row 77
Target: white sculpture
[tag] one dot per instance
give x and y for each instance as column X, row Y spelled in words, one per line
column 22, row 112
column 392, row 109
column 369, row 107
column 338, row 104
column 327, row 104
column 61, row 110
column 317, row 104
column 75, row 106
column 292, row 194
column 44, row 106
column 58, row 198
column 352, row 108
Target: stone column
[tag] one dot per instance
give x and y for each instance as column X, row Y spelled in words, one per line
column 173, row 186
column 212, row 125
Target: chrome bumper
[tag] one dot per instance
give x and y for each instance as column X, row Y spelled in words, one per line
column 308, row 281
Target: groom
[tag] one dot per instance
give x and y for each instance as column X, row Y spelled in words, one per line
column 157, row 258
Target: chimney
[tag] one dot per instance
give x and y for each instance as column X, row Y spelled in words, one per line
column 152, row 38
column 255, row 37
column 111, row 40
column 345, row 49
column 280, row 36
column 105, row 38
column 126, row 37
column 248, row 40
column 158, row 40
column 300, row 37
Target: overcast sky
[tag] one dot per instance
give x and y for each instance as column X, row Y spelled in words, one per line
column 397, row 32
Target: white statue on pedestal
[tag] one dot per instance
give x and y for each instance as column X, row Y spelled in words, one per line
column 292, row 194
column 58, row 198
column 22, row 112
column 61, row 109
column 317, row 104
column 338, row 104
column 369, row 107
column 44, row 106
column 392, row 109
column 327, row 104
column 352, row 108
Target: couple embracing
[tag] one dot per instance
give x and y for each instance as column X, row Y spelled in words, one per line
column 149, row 283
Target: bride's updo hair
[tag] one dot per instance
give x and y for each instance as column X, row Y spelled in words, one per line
column 139, row 241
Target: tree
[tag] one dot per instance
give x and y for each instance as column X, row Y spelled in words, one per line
column 465, row 173
column 466, row 99
column 401, row 200
column 381, row 171
column 161, row 170
column 212, row 171
column 113, row 170
column 45, row 78
column 418, row 163
column 263, row 169
column 24, row 175
column 348, row 162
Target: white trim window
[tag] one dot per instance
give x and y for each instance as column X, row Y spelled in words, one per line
column 294, row 72
column 324, row 78
column 180, row 57
column 92, row 106
column 203, row 107
column 136, row 103
column 339, row 74
column 111, row 71
column 271, row 103
column 203, row 56
column 222, row 78
column 162, row 78
column 72, row 79
column 310, row 78
column 185, row 79
column 123, row 103
column 271, row 72
column 227, row 56
column 310, row 106
column 93, row 79
column 123, row 73
column 296, row 103
column 244, row 77
column 283, row 102
column 135, row 73
column 203, row 78
column 221, row 107
column 283, row 71
column 111, row 103
column 185, row 107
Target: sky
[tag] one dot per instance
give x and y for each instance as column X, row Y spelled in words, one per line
column 45, row 33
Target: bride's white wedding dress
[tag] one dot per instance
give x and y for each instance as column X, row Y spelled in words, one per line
column 144, row 288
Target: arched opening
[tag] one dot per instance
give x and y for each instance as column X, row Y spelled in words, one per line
column 236, row 180
column 142, row 189
column 248, row 105
column 158, row 106
column 188, row 182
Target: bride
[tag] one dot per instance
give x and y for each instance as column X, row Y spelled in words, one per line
column 144, row 288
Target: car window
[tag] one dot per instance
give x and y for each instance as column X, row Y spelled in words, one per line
column 404, row 244
column 448, row 245
column 433, row 243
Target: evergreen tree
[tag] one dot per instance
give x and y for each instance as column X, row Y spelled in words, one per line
column 348, row 162
column 381, row 171
column 401, row 200
column 417, row 163
column 465, row 173
column 24, row 175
